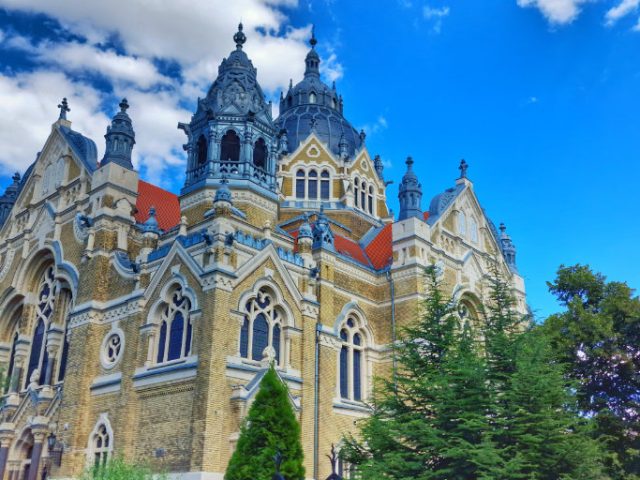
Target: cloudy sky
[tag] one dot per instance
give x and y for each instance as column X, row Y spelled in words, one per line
column 539, row 96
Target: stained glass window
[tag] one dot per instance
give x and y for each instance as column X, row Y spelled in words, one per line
column 351, row 365
column 176, row 329
column 261, row 327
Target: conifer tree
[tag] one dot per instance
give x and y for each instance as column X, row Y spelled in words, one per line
column 270, row 427
column 430, row 422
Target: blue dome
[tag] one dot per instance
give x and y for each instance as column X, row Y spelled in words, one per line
column 312, row 106
column 330, row 126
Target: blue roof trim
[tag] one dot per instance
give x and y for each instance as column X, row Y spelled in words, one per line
column 370, row 235
column 84, row 148
column 302, row 217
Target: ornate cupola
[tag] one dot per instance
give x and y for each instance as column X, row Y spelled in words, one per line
column 120, row 138
column 311, row 106
column 410, row 194
column 232, row 134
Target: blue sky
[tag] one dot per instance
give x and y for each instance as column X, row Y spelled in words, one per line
column 539, row 96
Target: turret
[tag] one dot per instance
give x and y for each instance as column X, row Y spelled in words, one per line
column 508, row 248
column 410, row 194
column 8, row 199
column 120, row 138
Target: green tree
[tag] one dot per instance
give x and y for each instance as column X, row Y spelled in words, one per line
column 597, row 337
column 430, row 420
column 118, row 469
column 270, row 427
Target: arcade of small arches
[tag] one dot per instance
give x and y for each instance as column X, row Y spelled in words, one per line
column 313, row 184
column 231, row 149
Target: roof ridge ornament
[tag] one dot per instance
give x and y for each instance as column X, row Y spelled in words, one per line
column 463, row 168
column 240, row 38
column 64, row 109
column 313, row 41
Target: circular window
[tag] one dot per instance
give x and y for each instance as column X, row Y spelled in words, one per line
column 112, row 348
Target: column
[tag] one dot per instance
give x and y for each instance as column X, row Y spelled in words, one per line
column 55, row 337
column 6, row 436
column 39, row 429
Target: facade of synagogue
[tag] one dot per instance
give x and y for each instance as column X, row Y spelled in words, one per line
column 139, row 322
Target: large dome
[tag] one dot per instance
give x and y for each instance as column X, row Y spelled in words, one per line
column 312, row 106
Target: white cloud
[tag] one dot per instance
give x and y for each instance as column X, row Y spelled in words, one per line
column 196, row 34
column 558, row 12
column 624, row 8
column 372, row 128
column 636, row 27
column 435, row 15
column 29, row 108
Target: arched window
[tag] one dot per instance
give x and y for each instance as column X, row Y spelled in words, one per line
column 356, row 191
column 202, row 150
column 289, row 100
column 473, row 229
column 325, row 185
column 38, row 358
column 12, row 363
column 300, row 184
column 333, row 103
column 462, row 223
column 313, row 185
column 175, row 340
column 370, row 198
column 230, row 147
column 260, row 153
column 363, row 195
column 64, row 303
column 313, row 98
column 261, row 327
column 352, row 363
column 101, row 445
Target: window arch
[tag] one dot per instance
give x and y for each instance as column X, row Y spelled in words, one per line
column 300, row 184
column 39, row 358
column 230, row 147
column 176, row 328
column 462, row 223
column 12, row 362
column 363, row 195
column 202, row 150
column 370, row 199
column 312, row 185
column 101, row 441
column 260, row 153
column 325, row 185
column 356, row 191
column 473, row 229
column 262, row 327
column 352, row 367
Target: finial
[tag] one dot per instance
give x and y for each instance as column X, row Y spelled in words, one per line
column 363, row 135
column 333, row 86
column 503, row 228
column 463, row 168
column 409, row 163
column 123, row 105
column 64, row 108
column 290, row 83
column 312, row 41
column 16, row 177
column 239, row 37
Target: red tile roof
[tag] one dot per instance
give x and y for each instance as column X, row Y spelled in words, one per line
column 348, row 247
column 379, row 249
column 166, row 204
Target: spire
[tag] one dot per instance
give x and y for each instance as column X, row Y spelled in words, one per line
column 343, row 147
column 508, row 248
column 377, row 164
column 240, row 38
column 410, row 194
column 120, row 138
column 312, row 61
column 64, row 109
column 8, row 199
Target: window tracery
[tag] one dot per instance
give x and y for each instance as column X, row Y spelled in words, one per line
column 262, row 328
column 352, row 366
column 176, row 329
column 39, row 358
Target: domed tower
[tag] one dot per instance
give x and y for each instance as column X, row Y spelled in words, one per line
column 120, row 138
column 313, row 106
column 232, row 135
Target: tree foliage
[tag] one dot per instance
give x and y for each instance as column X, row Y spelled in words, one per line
column 118, row 469
column 270, row 427
column 597, row 338
column 483, row 404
